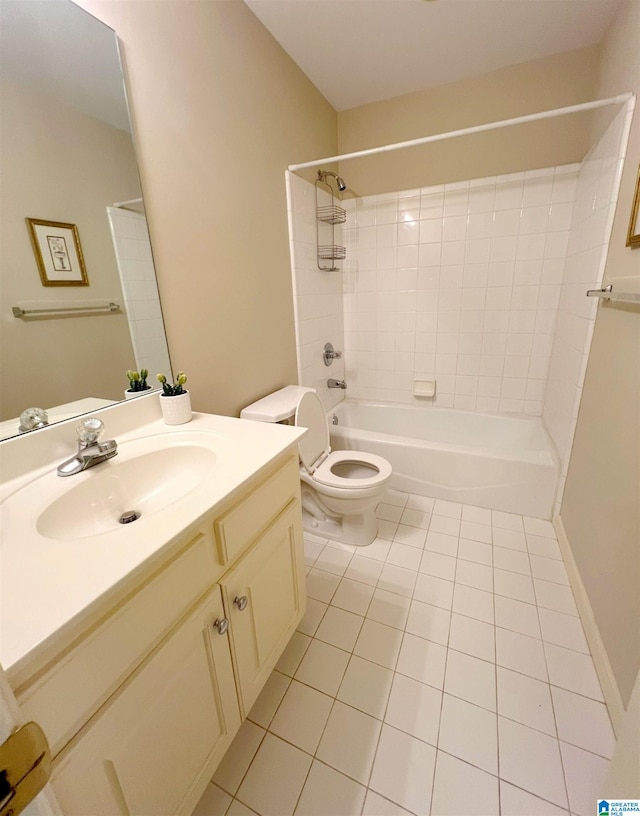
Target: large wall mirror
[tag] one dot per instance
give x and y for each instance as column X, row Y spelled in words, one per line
column 67, row 158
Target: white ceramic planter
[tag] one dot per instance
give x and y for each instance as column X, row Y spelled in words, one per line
column 133, row 394
column 176, row 410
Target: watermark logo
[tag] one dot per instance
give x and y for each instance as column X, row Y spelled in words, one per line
column 618, row 807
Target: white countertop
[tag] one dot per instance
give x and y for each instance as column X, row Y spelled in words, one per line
column 49, row 585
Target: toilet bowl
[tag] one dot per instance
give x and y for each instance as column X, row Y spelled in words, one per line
column 340, row 489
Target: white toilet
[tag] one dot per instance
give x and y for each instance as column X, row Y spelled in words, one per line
column 340, row 489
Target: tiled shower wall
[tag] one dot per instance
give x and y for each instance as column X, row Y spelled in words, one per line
column 142, row 301
column 459, row 284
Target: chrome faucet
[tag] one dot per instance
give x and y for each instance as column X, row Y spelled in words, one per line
column 336, row 384
column 90, row 451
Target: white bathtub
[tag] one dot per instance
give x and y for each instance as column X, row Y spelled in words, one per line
column 500, row 462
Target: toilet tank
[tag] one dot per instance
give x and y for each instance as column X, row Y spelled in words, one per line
column 277, row 407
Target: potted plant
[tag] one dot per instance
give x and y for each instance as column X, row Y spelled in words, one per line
column 175, row 401
column 137, row 383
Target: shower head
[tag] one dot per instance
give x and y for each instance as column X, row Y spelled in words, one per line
column 322, row 175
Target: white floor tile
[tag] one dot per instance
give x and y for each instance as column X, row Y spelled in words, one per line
column 389, row 512
column 471, row 679
column 333, row 560
column 563, row 630
column 447, row 508
column 429, row 622
column 293, row 654
column 530, row 759
column 516, row 802
column 349, row 742
column 509, row 539
column 312, row 617
column 546, row 547
column 583, row 722
column 354, row 596
column 549, row 570
column 238, row 809
column 366, row 686
column 513, row 585
column 423, row 660
column 340, row 628
column 414, row 708
column 402, row 555
column 434, row 591
column 442, row 566
column 479, row 576
column 479, row 515
column 554, row 596
column 387, row 529
column 525, row 700
column 475, row 551
column 376, row 805
column 403, row 770
column 240, row 753
column 442, row 543
column 378, row 549
column 397, row 579
column 473, row 637
column 328, row 791
column 446, row 525
column 416, row 518
column 539, row 527
column 469, row 733
column 214, row 802
column 507, row 521
column 521, row 653
column 379, row 643
column 302, row 716
column 573, row 671
column 276, row 777
column 365, row 570
column 321, row 585
column 460, row 789
column 517, row 616
column 511, row 560
column 475, row 603
column 389, row 608
column 424, row 503
column 269, row 699
column 323, row 667
column 476, row 532
column 397, row 497
column 410, row 536
column 585, row 774
column 312, row 550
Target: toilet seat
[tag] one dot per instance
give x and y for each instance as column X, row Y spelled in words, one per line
column 319, row 461
column 324, row 473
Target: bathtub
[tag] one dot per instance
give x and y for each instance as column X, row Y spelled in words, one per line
column 499, row 462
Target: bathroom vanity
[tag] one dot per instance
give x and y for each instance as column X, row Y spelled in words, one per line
column 141, row 653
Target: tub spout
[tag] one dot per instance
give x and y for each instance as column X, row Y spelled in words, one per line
column 336, row 384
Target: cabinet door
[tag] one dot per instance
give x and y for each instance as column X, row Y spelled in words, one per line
column 154, row 746
column 271, row 579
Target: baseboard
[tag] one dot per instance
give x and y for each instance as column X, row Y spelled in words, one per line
column 592, row 633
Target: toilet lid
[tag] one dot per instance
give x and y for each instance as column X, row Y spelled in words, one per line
column 380, row 473
column 310, row 414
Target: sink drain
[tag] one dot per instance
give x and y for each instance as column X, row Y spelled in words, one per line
column 129, row 516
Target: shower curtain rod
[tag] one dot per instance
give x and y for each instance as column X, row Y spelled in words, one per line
column 438, row 137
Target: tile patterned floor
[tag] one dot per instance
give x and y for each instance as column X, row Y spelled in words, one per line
column 440, row 671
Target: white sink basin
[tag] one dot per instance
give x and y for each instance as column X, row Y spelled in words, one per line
column 145, row 484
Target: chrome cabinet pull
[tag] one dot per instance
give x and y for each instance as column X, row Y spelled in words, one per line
column 221, row 626
column 240, row 602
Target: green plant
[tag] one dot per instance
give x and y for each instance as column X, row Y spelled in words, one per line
column 169, row 390
column 138, row 380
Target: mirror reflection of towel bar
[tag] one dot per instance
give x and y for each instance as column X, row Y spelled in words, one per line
column 608, row 294
column 62, row 311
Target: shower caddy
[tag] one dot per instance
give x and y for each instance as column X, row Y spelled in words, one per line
column 328, row 214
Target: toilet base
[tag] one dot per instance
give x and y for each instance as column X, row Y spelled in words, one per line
column 358, row 530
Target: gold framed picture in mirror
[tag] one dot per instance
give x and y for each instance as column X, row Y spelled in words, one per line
column 633, row 236
column 58, row 252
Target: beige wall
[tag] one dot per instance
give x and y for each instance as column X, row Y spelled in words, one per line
column 57, row 164
column 601, row 506
column 219, row 112
column 556, row 81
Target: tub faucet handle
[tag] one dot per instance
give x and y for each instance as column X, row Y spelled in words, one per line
column 329, row 354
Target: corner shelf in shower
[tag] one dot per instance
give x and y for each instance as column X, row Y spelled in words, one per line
column 330, row 214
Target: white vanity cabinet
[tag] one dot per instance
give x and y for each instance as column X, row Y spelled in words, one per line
column 140, row 709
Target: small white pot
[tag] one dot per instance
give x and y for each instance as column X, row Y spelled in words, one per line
column 128, row 394
column 176, row 410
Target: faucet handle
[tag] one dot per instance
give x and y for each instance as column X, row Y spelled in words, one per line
column 90, row 430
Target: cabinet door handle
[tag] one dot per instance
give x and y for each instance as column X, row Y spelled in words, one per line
column 221, row 626
column 241, row 602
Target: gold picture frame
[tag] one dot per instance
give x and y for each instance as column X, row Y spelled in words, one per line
column 633, row 236
column 58, row 252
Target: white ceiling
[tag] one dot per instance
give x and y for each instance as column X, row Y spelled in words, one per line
column 360, row 51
